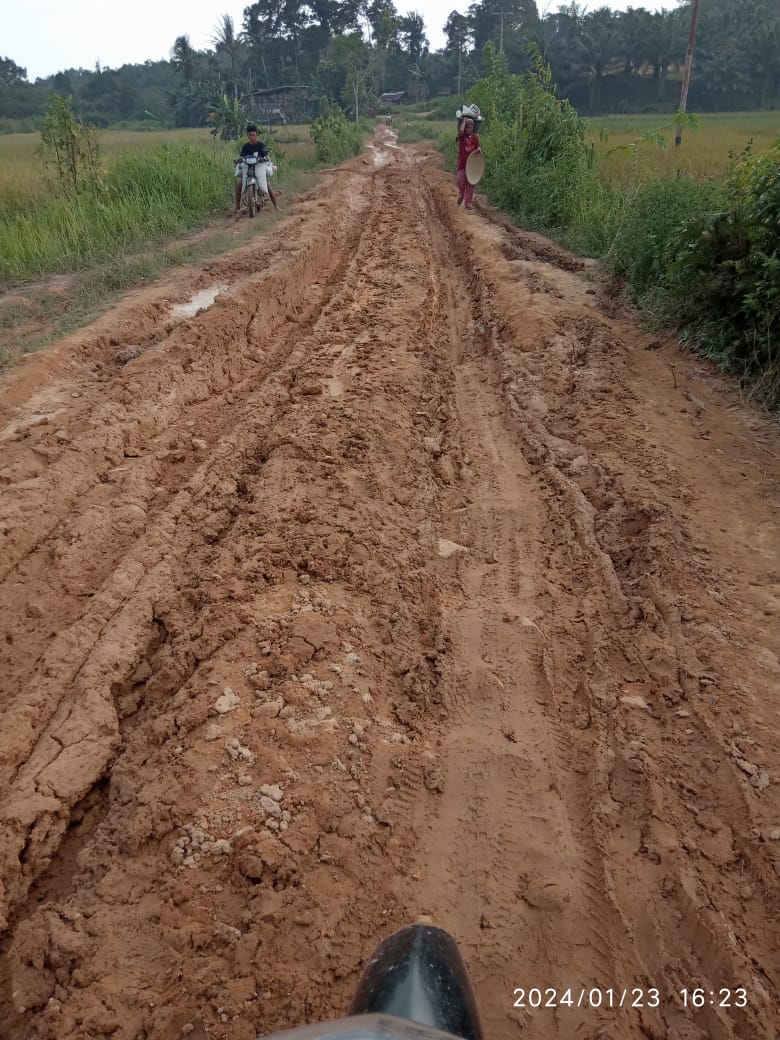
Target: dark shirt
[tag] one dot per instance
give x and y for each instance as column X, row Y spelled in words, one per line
column 258, row 149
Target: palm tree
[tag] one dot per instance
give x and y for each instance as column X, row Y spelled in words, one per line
column 724, row 59
column 226, row 41
column 184, row 58
column 666, row 44
column 560, row 43
column 386, row 39
column 263, row 32
column 457, row 31
column 508, row 23
column 766, row 48
column 411, row 29
column 598, row 48
column 634, row 29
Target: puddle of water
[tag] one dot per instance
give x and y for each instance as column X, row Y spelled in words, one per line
column 204, row 298
column 380, row 158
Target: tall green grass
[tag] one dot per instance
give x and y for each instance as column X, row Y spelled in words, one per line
column 647, row 222
column 152, row 190
column 335, row 138
column 146, row 197
column 410, row 131
column 154, row 187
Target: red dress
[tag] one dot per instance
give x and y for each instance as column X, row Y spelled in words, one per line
column 467, row 144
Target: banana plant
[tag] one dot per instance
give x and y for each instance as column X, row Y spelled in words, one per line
column 228, row 119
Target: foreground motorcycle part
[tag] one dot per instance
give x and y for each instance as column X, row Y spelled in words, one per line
column 362, row 1027
column 419, row 974
column 415, row 987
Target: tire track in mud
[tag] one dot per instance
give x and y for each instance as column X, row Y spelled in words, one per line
column 405, row 724
column 266, row 393
column 511, row 800
column 165, row 428
column 153, row 685
column 643, row 941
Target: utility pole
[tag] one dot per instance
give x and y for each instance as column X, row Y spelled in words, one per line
column 501, row 15
column 688, row 69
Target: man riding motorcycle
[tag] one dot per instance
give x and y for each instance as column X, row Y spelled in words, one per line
column 254, row 147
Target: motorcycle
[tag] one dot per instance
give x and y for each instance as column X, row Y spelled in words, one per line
column 414, row 987
column 254, row 172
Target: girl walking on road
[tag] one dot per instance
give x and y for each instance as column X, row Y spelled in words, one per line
column 468, row 142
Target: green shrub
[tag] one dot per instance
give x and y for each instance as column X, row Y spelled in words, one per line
column 650, row 222
column 71, row 147
column 18, row 126
column 723, row 280
column 410, row 132
column 443, row 108
column 539, row 167
column 335, row 138
column 228, row 119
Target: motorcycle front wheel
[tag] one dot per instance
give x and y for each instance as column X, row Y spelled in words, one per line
column 252, row 200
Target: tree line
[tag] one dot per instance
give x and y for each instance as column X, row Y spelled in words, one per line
column 352, row 50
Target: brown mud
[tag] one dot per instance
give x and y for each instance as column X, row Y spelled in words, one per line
column 406, row 577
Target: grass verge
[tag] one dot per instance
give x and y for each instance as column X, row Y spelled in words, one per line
column 34, row 316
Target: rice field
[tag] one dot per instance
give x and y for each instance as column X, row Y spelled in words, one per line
column 705, row 150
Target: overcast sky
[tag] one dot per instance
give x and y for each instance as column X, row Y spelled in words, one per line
column 46, row 36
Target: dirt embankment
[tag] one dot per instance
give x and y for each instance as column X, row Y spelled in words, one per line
column 407, row 577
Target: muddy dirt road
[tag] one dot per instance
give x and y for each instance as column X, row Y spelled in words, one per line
column 408, row 577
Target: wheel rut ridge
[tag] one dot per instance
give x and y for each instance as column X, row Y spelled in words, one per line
column 108, row 560
column 543, row 450
column 138, row 563
column 167, row 519
column 182, row 368
column 510, row 851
